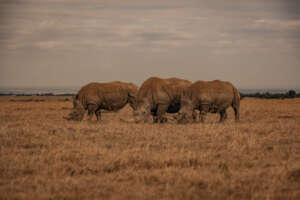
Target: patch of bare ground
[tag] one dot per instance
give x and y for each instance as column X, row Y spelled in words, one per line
column 44, row 156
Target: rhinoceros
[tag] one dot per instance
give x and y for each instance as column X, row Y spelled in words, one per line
column 94, row 97
column 157, row 96
column 209, row 96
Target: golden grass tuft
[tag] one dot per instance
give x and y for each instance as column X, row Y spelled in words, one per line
column 44, row 156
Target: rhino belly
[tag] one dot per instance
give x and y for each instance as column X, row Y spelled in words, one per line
column 113, row 106
column 174, row 108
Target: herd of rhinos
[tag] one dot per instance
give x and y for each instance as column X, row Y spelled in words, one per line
column 155, row 97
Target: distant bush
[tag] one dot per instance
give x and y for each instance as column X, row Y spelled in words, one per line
column 46, row 94
column 28, row 95
column 292, row 94
column 67, row 94
column 267, row 95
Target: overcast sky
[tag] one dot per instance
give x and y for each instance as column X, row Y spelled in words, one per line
column 253, row 44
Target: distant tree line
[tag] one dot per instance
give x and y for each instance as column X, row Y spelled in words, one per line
column 38, row 94
column 266, row 95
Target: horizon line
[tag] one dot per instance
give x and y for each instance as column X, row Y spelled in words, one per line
column 73, row 87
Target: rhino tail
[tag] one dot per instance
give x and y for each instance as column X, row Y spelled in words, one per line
column 236, row 103
column 236, row 97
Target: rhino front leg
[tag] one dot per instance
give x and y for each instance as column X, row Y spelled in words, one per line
column 223, row 116
column 202, row 116
column 204, row 109
column 98, row 114
column 91, row 110
column 236, row 109
column 155, row 119
column 194, row 115
column 161, row 110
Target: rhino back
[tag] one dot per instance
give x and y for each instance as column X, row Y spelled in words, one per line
column 218, row 93
column 162, row 91
column 130, row 88
column 111, row 96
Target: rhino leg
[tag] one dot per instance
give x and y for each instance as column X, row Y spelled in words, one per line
column 98, row 114
column 163, row 120
column 223, row 115
column 194, row 115
column 161, row 110
column 90, row 116
column 155, row 119
column 236, row 112
column 91, row 110
column 202, row 116
column 204, row 109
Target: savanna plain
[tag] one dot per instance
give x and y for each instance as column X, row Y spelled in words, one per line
column 44, row 156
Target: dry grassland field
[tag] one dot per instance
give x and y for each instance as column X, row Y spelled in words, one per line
column 44, row 156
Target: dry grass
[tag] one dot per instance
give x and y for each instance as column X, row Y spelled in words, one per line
column 43, row 156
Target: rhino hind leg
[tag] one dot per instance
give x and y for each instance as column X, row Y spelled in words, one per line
column 223, row 115
column 156, row 119
column 236, row 113
column 163, row 120
column 90, row 115
column 98, row 114
column 161, row 110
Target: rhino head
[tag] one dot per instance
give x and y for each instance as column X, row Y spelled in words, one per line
column 142, row 111
column 78, row 110
column 132, row 100
column 185, row 113
column 76, row 115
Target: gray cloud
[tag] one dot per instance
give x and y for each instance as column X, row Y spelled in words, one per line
column 178, row 37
